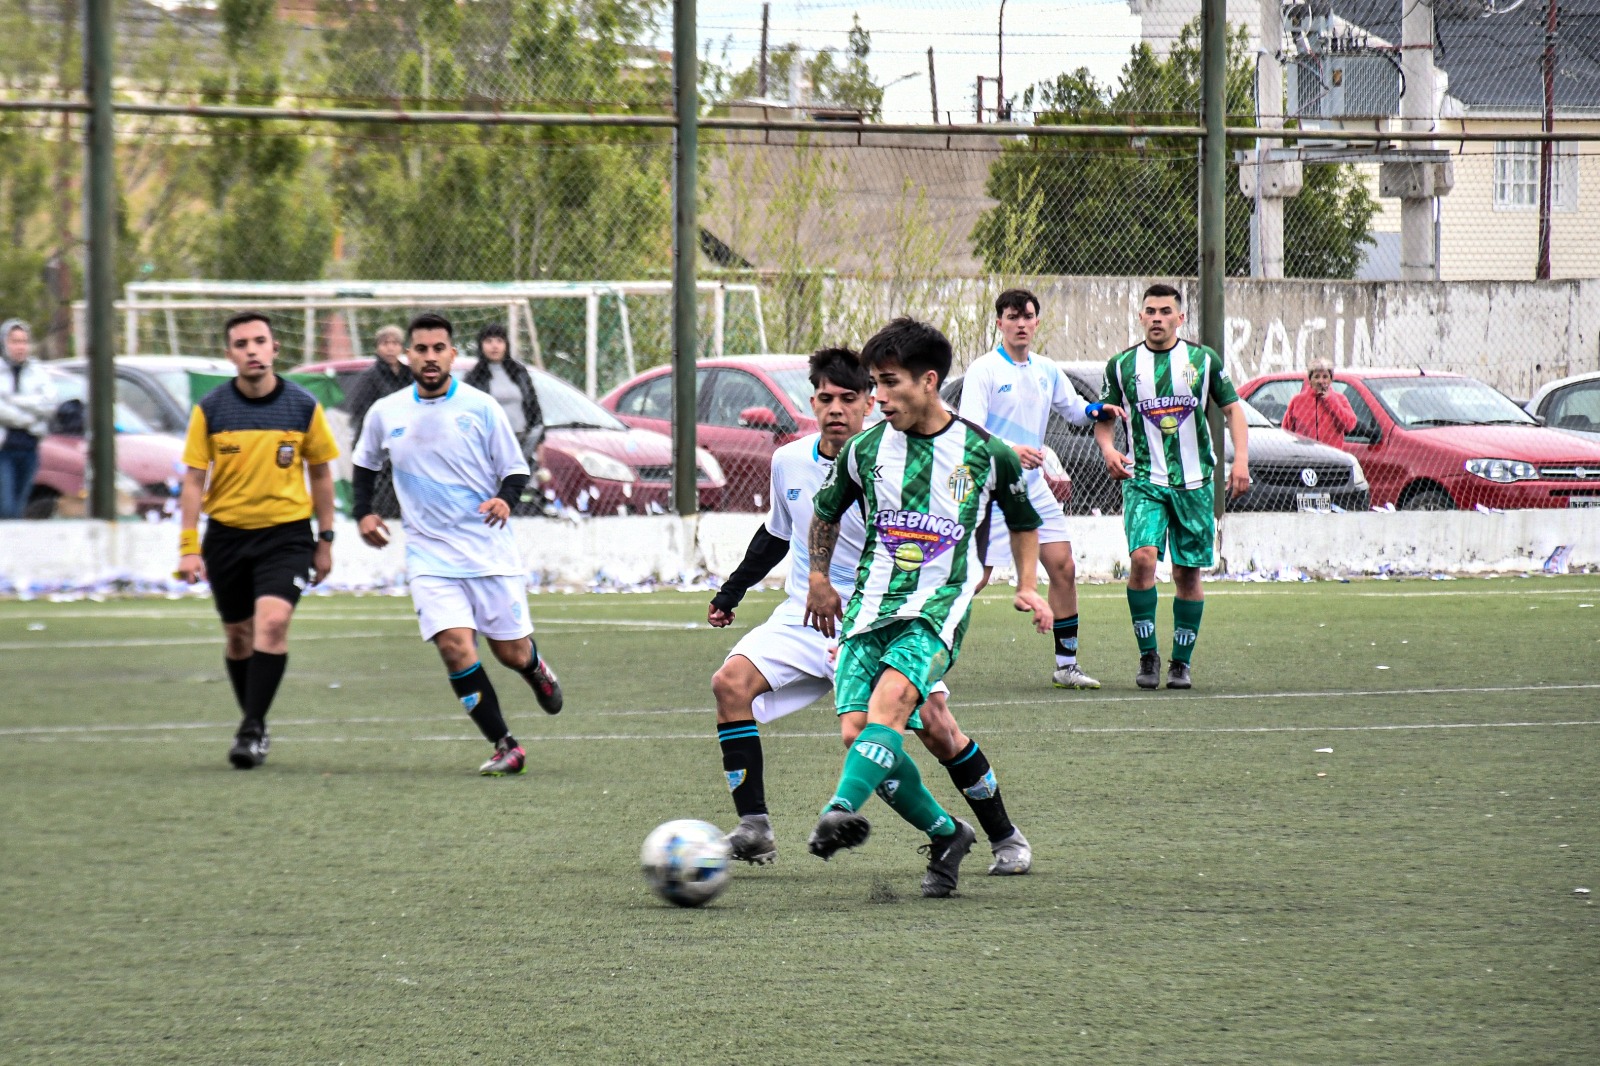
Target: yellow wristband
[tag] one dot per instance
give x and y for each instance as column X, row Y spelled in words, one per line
column 189, row 542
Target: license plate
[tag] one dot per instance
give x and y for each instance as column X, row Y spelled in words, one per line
column 1583, row 501
column 1313, row 501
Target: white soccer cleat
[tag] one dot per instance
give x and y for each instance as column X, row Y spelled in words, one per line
column 1012, row 856
column 1072, row 676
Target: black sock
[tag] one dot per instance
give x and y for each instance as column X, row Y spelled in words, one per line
column 239, row 674
column 261, row 684
column 741, row 761
column 970, row 772
column 533, row 660
column 476, row 693
column 1066, row 634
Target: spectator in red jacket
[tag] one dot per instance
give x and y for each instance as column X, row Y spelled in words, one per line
column 1318, row 412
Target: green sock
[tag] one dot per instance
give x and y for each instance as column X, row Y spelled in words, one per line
column 1185, row 627
column 868, row 762
column 908, row 797
column 1142, row 605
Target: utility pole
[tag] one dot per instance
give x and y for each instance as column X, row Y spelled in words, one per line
column 933, row 89
column 1266, row 183
column 1547, row 148
column 1417, row 259
column 761, row 75
column 685, row 247
column 100, row 224
column 980, row 99
column 1213, row 178
column 1000, row 70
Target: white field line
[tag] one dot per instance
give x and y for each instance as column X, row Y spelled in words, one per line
column 1068, row 702
column 198, row 609
column 704, row 738
column 86, row 730
column 172, row 642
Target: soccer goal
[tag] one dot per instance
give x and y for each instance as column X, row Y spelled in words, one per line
column 594, row 333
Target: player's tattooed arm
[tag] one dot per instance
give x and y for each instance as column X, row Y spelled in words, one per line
column 823, row 606
column 823, row 539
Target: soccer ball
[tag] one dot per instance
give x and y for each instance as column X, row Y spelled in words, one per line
column 686, row 862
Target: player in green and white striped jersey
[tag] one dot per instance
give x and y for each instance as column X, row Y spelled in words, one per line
column 1166, row 384
column 924, row 480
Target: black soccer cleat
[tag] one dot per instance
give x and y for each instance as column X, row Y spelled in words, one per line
column 546, row 689
column 1178, row 675
column 752, row 841
column 944, row 860
column 249, row 749
column 1149, row 670
column 837, row 829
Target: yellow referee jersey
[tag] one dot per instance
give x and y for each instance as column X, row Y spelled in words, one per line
column 255, row 450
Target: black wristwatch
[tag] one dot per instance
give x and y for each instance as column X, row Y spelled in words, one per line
column 326, row 536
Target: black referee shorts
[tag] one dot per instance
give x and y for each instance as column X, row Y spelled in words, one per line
column 245, row 564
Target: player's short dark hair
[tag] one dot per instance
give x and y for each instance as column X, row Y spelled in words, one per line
column 1161, row 288
column 241, row 318
column 430, row 320
column 842, row 366
column 915, row 347
column 1016, row 300
column 493, row 329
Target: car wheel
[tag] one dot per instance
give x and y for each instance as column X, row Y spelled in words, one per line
column 42, row 504
column 1428, row 499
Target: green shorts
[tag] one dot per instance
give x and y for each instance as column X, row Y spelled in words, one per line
column 1153, row 515
column 909, row 645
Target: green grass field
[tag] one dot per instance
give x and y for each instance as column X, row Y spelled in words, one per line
column 1208, row 888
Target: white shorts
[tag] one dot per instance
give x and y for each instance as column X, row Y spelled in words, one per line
column 795, row 659
column 497, row 607
column 1054, row 530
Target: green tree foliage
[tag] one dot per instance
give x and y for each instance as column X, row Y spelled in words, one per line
column 841, row 80
column 1100, row 205
column 502, row 203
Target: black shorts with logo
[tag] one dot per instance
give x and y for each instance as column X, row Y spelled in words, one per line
column 244, row 564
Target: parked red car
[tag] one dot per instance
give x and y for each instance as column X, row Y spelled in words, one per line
column 148, row 462
column 1436, row 441
column 597, row 464
column 749, row 407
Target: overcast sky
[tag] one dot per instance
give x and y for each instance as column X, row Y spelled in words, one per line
column 1042, row 40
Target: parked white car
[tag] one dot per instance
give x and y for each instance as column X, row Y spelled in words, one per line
column 1572, row 404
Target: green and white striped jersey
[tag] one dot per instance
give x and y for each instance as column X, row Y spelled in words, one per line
column 1165, row 395
column 926, row 503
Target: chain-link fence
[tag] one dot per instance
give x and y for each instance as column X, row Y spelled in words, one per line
column 817, row 235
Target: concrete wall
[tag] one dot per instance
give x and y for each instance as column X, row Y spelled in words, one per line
column 1514, row 335
column 41, row 557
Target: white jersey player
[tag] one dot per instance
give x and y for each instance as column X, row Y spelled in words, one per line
column 783, row 664
column 1011, row 393
column 457, row 471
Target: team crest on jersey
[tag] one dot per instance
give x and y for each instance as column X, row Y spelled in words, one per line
column 1190, row 374
column 793, row 494
column 286, row 454
column 1167, row 413
column 398, row 431
column 464, row 423
column 914, row 539
column 961, row 484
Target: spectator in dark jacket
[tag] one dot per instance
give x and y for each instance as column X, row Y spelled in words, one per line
column 509, row 382
column 26, row 403
column 388, row 373
column 1317, row 411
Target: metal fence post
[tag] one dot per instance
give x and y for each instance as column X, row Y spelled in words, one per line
column 685, row 247
column 1213, row 178
column 101, row 273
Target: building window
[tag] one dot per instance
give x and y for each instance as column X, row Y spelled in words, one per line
column 1516, row 177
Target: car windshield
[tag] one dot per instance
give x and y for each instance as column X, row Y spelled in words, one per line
column 176, row 382
column 75, row 387
column 1255, row 419
column 563, row 405
column 796, row 384
column 1420, row 402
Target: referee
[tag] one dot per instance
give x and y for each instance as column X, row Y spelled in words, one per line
column 252, row 441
